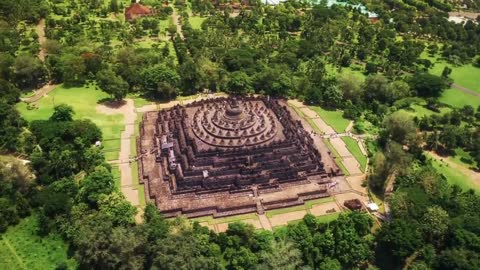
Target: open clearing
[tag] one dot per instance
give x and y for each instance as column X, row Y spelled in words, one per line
column 455, row 176
column 457, row 98
column 84, row 101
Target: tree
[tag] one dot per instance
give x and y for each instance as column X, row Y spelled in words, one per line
column 160, row 81
column 190, row 76
column 400, row 238
column 185, row 250
column 93, row 186
column 100, row 245
column 239, row 83
column 112, row 84
column 28, row 72
column 350, row 86
column 375, row 88
column 8, row 92
column 400, row 128
column 113, row 7
column 73, row 69
column 435, row 223
column 283, row 255
column 397, row 90
column 11, row 126
column 62, row 113
column 427, row 85
column 117, row 208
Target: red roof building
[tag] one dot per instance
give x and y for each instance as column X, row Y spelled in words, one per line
column 136, row 10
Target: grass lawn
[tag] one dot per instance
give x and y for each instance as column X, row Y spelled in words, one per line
column 212, row 220
column 466, row 75
column 328, row 218
column 457, row 98
column 116, row 176
column 338, row 158
column 139, row 101
column 463, row 158
column 84, row 101
column 306, row 206
column 196, row 22
column 420, row 111
column 352, row 146
column 332, row 118
column 22, row 248
column 455, row 177
column 322, row 219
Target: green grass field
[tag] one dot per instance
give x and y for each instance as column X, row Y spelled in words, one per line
column 210, row 220
column 353, row 147
column 466, row 75
column 332, row 118
column 463, row 158
column 455, row 177
column 306, row 206
column 420, row 111
column 196, row 22
column 22, row 248
column 84, row 101
column 457, row 98
column 338, row 158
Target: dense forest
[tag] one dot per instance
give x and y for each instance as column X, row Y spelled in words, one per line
column 295, row 49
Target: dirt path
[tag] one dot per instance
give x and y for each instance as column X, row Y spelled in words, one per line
column 473, row 176
column 469, row 15
column 465, row 90
column 41, row 39
column 39, row 93
column 126, row 181
column 176, row 21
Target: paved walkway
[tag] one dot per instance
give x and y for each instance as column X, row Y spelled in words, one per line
column 41, row 92
column 124, row 165
column 348, row 160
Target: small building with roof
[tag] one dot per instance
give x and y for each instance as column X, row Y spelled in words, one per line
column 137, row 10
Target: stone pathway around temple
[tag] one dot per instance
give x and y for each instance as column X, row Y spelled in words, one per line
column 124, row 162
column 353, row 184
column 347, row 159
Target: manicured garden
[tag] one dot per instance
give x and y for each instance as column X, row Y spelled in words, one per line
column 22, row 248
column 352, row 146
column 332, row 118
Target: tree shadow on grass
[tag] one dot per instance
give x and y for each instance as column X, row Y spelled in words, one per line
column 112, row 103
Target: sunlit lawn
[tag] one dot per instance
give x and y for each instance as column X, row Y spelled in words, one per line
column 332, row 118
column 84, row 101
column 457, row 98
column 455, row 177
column 463, row 158
column 352, row 146
column 420, row 111
column 307, row 205
column 196, row 22
column 466, row 75
column 22, row 248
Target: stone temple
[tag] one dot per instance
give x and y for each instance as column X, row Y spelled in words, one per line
column 228, row 156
